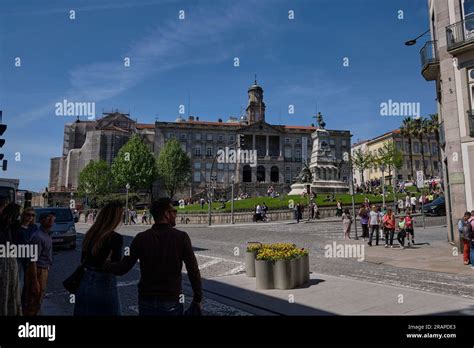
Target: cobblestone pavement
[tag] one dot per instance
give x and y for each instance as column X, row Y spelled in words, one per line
column 220, row 251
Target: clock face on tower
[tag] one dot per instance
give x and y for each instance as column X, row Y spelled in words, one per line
column 324, row 144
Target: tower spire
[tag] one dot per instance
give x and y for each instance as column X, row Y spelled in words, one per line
column 255, row 82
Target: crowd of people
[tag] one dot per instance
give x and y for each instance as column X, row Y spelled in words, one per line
column 24, row 277
column 161, row 251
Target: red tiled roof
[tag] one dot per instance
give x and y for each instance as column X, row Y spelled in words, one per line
column 301, row 127
column 145, row 126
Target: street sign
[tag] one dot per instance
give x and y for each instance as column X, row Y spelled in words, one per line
column 420, row 179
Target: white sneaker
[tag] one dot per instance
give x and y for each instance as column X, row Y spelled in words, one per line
column 386, row 245
column 402, row 247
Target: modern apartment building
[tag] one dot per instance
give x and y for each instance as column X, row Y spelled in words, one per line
column 448, row 60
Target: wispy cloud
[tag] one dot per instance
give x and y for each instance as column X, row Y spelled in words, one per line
column 167, row 47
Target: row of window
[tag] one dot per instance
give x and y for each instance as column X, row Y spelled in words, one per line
column 407, row 166
column 416, row 147
column 221, row 137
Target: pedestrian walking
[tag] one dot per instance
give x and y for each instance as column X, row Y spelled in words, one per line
column 346, row 223
column 466, row 236
column 409, row 228
column 389, row 227
column 22, row 237
column 38, row 271
column 311, row 210
column 374, row 222
column 258, row 213
column 97, row 293
column 161, row 251
column 401, row 233
column 299, row 212
column 338, row 209
column 264, row 212
column 364, row 222
column 145, row 216
column 10, row 293
column 407, row 202
column 413, row 203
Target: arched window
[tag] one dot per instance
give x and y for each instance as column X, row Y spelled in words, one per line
column 274, row 174
column 260, row 174
column 247, row 174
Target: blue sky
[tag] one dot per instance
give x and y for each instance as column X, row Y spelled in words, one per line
column 298, row 62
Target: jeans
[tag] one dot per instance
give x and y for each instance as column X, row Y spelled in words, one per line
column 374, row 228
column 401, row 237
column 365, row 231
column 389, row 235
column 151, row 305
column 472, row 253
column 97, row 294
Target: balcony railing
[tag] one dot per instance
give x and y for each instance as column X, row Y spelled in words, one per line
column 429, row 61
column 461, row 33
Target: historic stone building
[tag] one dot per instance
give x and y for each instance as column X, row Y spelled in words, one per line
column 280, row 150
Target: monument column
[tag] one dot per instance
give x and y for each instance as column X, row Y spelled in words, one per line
column 281, row 145
column 267, row 144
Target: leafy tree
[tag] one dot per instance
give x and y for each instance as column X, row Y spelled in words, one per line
column 362, row 160
column 94, row 180
column 134, row 165
column 389, row 156
column 174, row 167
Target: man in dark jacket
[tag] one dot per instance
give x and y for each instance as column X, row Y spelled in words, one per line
column 162, row 251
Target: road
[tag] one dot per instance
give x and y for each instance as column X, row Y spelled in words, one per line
column 220, row 251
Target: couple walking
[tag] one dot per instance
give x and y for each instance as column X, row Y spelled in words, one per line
column 161, row 251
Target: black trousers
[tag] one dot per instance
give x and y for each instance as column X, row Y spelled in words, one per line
column 389, row 235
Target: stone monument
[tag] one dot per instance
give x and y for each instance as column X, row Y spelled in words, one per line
column 324, row 169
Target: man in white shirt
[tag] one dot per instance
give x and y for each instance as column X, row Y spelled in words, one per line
column 413, row 203
column 374, row 222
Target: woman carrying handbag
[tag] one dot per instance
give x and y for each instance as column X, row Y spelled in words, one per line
column 97, row 293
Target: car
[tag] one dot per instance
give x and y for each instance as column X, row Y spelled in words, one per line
column 437, row 207
column 63, row 232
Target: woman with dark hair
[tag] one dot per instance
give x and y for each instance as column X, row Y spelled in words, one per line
column 10, row 297
column 97, row 293
column 22, row 237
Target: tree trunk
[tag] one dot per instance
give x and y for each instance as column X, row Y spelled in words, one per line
column 422, row 155
column 411, row 158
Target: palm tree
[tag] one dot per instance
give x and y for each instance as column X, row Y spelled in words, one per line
column 421, row 129
column 434, row 129
column 407, row 130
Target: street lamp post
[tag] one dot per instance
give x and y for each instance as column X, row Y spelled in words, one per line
column 210, row 187
column 382, row 167
column 352, row 197
column 127, row 187
column 232, row 201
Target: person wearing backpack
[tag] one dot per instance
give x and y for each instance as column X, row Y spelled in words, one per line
column 466, row 237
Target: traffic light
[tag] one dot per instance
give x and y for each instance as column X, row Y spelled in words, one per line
column 241, row 140
column 3, row 128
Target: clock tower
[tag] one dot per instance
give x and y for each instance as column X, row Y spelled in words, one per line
column 256, row 107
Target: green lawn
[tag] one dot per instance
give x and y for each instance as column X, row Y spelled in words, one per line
column 281, row 203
